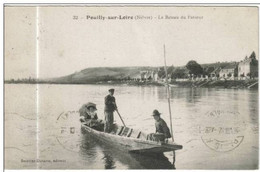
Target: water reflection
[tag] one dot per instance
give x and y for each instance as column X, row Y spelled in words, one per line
column 192, row 95
column 87, row 144
column 111, row 157
column 109, row 161
column 159, row 161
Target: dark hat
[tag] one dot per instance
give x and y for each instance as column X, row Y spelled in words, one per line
column 156, row 113
column 111, row 90
column 90, row 104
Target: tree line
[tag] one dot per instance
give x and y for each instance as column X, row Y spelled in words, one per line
column 191, row 68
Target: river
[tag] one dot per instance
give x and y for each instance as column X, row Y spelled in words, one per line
column 218, row 128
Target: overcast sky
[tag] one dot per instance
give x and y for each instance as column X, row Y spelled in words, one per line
column 66, row 45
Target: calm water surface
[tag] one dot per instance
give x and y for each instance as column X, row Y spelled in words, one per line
column 41, row 123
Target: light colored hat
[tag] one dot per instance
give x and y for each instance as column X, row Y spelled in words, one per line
column 90, row 104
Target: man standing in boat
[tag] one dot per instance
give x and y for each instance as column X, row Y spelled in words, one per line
column 110, row 107
column 161, row 126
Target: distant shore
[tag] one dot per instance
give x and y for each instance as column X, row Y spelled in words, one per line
column 233, row 84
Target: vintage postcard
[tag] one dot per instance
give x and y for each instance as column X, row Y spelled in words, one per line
column 131, row 86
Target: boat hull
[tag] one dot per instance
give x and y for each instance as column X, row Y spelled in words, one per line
column 132, row 144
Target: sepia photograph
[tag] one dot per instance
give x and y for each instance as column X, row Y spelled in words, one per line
column 131, row 86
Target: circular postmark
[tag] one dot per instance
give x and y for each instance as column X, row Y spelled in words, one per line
column 222, row 130
column 68, row 131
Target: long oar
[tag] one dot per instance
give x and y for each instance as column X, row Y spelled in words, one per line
column 120, row 117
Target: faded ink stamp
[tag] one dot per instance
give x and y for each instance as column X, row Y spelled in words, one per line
column 222, row 130
column 68, row 131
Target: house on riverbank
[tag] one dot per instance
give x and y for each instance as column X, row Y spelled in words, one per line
column 229, row 72
column 215, row 73
column 147, row 75
column 248, row 67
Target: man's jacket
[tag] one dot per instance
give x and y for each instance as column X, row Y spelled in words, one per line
column 161, row 127
column 110, row 103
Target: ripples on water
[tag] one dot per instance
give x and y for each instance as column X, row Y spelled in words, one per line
column 58, row 137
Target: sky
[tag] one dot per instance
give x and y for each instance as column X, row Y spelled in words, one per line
column 46, row 42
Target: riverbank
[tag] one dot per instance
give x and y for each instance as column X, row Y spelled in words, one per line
column 233, row 84
column 252, row 84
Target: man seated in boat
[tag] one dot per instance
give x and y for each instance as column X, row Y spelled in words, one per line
column 162, row 130
column 88, row 115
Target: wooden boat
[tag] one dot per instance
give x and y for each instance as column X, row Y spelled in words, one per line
column 131, row 140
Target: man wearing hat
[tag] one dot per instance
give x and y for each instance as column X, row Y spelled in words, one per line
column 160, row 125
column 110, row 107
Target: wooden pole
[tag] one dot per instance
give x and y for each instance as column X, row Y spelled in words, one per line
column 120, row 117
column 168, row 90
column 169, row 102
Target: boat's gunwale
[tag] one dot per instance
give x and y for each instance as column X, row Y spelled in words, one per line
column 131, row 138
